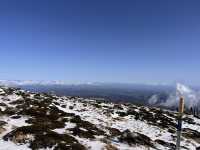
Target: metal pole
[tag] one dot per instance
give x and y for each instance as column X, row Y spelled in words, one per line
column 179, row 127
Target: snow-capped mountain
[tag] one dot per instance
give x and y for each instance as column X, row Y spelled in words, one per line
column 30, row 82
column 42, row 121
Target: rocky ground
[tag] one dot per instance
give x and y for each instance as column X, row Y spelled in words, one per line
column 43, row 121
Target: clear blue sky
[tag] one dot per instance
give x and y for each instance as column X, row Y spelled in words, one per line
column 100, row 40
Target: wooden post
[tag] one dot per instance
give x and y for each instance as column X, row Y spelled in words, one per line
column 181, row 105
column 179, row 127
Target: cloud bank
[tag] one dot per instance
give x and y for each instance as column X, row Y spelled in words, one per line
column 191, row 97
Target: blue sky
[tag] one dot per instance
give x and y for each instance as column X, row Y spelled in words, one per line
column 100, row 40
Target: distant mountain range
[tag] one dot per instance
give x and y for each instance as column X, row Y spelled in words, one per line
column 148, row 94
column 121, row 92
column 59, row 82
column 30, row 82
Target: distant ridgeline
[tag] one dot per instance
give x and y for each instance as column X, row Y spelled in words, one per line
column 112, row 92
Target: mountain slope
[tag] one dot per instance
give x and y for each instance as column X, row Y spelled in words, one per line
column 42, row 121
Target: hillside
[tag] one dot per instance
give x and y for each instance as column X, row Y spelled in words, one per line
column 42, row 121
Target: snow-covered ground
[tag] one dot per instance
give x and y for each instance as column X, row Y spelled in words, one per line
column 28, row 119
